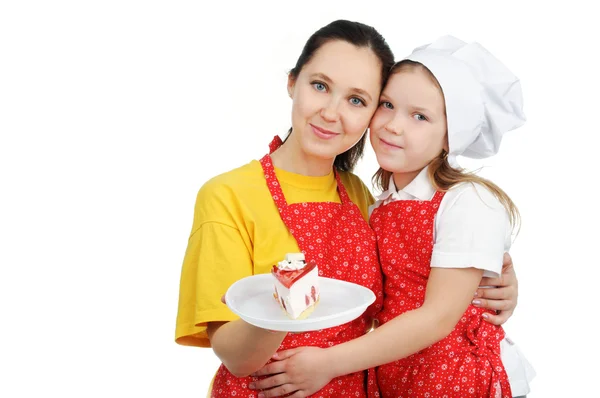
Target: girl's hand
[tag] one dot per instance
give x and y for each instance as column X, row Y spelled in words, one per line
column 503, row 297
column 302, row 371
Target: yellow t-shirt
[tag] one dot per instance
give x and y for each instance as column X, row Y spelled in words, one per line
column 238, row 232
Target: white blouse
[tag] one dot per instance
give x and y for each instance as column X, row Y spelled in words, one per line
column 472, row 228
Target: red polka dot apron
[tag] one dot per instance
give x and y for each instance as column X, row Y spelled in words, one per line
column 338, row 238
column 464, row 364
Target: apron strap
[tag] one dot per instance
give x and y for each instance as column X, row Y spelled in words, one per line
column 341, row 189
column 437, row 199
column 273, row 183
column 275, row 144
column 499, row 375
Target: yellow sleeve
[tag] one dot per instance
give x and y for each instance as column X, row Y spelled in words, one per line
column 218, row 254
column 368, row 194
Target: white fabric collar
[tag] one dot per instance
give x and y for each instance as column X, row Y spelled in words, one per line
column 420, row 189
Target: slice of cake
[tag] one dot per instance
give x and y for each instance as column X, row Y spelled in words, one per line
column 296, row 285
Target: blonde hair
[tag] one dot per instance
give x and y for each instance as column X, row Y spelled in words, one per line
column 441, row 174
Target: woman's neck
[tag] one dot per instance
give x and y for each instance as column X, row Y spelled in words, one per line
column 290, row 157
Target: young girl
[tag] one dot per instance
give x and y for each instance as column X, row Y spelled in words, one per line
column 439, row 230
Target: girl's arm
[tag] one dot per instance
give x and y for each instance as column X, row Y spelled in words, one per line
column 449, row 293
column 305, row 370
column 243, row 348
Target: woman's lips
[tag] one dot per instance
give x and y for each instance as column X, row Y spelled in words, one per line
column 322, row 133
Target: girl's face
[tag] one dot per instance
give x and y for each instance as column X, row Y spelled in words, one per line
column 334, row 97
column 409, row 128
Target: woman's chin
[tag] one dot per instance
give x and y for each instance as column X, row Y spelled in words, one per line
column 324, row 150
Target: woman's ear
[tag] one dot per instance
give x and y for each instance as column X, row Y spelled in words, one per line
column 291, row 85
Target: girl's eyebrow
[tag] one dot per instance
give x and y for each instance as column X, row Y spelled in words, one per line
column 421, row 109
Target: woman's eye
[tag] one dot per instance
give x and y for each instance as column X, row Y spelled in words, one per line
column 319, row 86
column 356, row 101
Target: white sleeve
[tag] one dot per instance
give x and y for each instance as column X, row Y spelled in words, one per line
column 519, row 370
column 472, row 230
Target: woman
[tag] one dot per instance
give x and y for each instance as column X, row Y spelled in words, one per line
column 247, row 219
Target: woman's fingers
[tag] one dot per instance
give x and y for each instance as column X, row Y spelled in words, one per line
column 270, row 369
column 499, row 319
column 270, row 382
column 278, row 391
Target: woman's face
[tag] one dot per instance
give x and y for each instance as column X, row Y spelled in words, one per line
column 334, row 97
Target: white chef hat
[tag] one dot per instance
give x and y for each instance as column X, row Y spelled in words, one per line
column 483, row 98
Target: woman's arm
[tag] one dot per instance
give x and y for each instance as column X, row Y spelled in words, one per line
column 219, row 253
column 243, row 348
column 502, row 298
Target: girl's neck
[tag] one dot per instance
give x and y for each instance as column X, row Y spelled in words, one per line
column 401, row 180
column 290, row 157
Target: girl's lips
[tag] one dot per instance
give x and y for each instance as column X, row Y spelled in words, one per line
column 389, row 144
column 322, row 133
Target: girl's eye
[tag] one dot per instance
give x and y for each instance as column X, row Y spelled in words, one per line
column 356, row 101
column 319, row 86
column 420, row 117
column 387, row 105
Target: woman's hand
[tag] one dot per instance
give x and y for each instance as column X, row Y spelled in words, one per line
column 503, row 297
column 302, row 371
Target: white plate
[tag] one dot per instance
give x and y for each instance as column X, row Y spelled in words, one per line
column 252, row 300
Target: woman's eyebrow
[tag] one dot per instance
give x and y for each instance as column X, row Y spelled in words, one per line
column 323, row 77
column 328, row 80
column 361, row 92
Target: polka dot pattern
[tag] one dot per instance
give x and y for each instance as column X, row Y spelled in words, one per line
column 464, row 364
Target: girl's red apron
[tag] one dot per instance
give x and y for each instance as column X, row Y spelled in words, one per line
column 338, row 238
column 464, row 364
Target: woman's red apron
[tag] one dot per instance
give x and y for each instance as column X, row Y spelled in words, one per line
column 338, row 238
column 464, row 364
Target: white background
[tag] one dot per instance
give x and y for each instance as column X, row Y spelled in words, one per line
column 114, row 113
